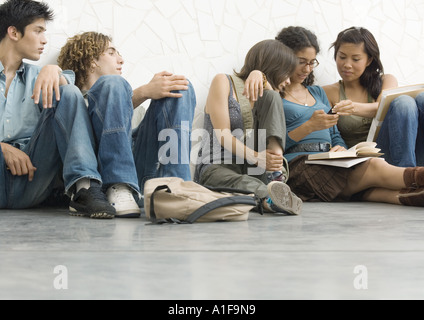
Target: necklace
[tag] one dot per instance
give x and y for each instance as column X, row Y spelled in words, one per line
column 306, row 98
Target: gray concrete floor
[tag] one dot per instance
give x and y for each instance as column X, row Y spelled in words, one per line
column 313, row 256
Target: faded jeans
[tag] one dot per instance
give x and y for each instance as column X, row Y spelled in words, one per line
column 159, row 147
column 62, row 138
column 401, row 138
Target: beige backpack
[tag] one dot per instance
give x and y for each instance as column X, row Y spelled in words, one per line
column 173, row 200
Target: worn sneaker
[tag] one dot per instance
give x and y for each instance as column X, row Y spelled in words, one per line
column 283, row 200
column 91, row 203
column 121, row 198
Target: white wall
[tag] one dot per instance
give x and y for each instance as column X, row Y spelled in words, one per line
column 200, row 38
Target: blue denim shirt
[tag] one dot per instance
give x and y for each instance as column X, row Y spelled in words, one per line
column 18, row 113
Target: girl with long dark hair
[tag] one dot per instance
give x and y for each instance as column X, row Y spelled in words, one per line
column 310, row 130
column 356, row 99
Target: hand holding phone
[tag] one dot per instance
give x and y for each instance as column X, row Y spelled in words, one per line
column 331, row 112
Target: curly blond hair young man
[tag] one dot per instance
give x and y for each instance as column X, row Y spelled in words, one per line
column 127, row 159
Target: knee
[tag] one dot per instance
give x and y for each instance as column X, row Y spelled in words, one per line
column 112, row 84
column 420, row 101
column 403, row 106
column 190, row 88
column 189, row 96
column 271, row 100
column 271, row 95
column 70, row 91
column 374, row 164
column 70, row 97
column 181, row 109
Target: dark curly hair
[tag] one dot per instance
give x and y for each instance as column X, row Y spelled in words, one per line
column 371, row 79
column 297, row 39
column 80, row 52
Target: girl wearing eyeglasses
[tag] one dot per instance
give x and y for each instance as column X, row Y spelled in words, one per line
column 310, row 129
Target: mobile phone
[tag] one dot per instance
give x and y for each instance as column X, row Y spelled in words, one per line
column 331, row 111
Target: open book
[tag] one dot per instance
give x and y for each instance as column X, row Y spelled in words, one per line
column 361, row 150
column 346, row 159
column 387, row 98
column 342, row 163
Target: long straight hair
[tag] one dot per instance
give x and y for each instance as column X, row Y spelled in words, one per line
column 274, row 59
column 371, row 79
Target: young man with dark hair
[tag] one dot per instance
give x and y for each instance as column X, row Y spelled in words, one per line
column 159, row 147
column 45, row 129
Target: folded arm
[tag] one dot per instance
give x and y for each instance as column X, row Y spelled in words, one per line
column 217, row 108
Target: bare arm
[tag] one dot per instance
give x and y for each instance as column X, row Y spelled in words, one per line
column 161, row 86
column 254, row 86
column 217, row 108
column 319, row 121
column 348, row 107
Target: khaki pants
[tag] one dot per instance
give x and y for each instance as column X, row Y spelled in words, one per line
column 268, row 114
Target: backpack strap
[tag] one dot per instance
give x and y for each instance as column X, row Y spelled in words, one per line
column 229, row 190
column 224, row 202
column 152, row 203
column 245, row 106
column 205, row 209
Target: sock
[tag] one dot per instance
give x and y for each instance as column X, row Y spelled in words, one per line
column 83, row 184
column 273, row 175
column 268, row 205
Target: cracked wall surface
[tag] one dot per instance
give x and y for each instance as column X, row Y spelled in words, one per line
column 200, row 38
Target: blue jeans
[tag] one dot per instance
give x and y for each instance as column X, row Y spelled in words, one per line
column 64, row 139
column 133, row 157
column 401, row 138
column 111, row 110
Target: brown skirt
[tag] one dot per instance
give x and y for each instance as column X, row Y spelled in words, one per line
column 316, row 182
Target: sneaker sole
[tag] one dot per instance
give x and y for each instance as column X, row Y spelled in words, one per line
column 128, row 215
column 283, row 198
column 100, row 215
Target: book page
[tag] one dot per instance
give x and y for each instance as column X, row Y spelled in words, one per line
column 341, row 163
column 363, row 149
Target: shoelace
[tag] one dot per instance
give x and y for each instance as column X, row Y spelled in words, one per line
column 97, row 193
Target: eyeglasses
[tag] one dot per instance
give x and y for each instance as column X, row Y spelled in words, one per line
column 313, row 64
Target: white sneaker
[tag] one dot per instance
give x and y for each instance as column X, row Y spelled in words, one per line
column 283, row 200
column 121, row 198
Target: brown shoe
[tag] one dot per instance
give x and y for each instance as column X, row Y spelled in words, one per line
column 414, row 177
column 412, row 197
